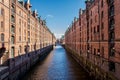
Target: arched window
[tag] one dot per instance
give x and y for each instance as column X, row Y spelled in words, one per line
column 2, row 37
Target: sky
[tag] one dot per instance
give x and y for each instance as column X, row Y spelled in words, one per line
column 58, row 13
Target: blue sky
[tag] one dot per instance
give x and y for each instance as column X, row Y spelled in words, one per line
column 58, row 13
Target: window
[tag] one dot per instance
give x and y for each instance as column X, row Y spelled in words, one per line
column 24, row 24
column 80, row 28
column 94, row 51
column 28, row 20
column 12, row 18
column 98, row 30
column 91, row 21
column 91, row 30
column 2, row 26
column 2, row 11
column 102, row 51
column 95, row 18
column 28, row 26
column 2, row 37
column 20, row 22
column 13, row 8
column 79, row 22
column 112, row 24
column 28, row 33
column 102, row 25
column 102, row 3
column 102, row 36
column 20, row 13
column 12, row 29
column 112, row 36
column 19, row 38
column 91, row 13
column 12, row 40
column 12, row 52
column 102, row 14
column 111, row 12
column 19, row 31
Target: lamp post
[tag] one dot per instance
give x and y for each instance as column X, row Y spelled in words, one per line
column 115, row 51
column 88, row 53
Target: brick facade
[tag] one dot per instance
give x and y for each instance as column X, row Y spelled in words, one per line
column 98, row 34
column 21, row 27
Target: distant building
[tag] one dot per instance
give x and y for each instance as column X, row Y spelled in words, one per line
column 62, row 40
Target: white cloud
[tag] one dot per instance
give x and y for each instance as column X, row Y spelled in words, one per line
column 50, row 16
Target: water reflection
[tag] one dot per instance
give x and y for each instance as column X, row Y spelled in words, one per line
column 57, row 66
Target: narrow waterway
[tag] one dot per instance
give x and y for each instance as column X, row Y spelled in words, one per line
column 58, row 65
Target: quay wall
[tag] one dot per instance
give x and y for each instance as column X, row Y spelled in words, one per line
column 16, row 68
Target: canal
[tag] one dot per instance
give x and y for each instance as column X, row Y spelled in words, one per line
column 58, row 65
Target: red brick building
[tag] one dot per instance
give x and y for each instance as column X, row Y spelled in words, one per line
column 21, row 27
column 97, row 38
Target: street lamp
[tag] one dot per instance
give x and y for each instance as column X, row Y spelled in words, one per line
column 98, row 53
column 115, row 50
column 88, row 53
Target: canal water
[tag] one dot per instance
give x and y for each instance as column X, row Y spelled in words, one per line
column 58, row 65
